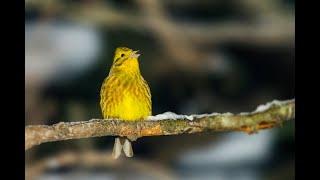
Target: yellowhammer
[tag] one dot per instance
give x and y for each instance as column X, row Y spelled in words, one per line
column 125, row 95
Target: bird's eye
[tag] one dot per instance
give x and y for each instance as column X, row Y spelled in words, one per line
column 122, row 55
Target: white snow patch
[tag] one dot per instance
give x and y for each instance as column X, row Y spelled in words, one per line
column 169, row 115
column 174, row 116
column 265, row 107
column 203, row 115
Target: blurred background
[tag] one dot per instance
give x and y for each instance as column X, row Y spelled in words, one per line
column 197, row 56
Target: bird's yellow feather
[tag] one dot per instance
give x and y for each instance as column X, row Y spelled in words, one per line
column 124, row 93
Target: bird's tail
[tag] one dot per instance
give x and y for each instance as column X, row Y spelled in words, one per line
column 119, row 144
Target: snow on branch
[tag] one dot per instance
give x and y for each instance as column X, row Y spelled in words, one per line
column 265, row 116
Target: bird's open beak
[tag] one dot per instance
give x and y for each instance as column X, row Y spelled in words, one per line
column 135, row 54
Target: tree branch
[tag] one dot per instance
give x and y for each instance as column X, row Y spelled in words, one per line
column 265, row 116
column 92, row 158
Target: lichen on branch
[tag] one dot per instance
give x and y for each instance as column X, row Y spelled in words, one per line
column 265, row 116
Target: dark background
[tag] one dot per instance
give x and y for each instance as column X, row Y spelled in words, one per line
column 197, row 56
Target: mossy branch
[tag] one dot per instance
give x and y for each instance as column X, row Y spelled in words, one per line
column 265, row 116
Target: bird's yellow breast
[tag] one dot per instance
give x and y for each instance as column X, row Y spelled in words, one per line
column 125, row 98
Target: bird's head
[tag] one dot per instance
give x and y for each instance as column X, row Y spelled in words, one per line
column 126, row 59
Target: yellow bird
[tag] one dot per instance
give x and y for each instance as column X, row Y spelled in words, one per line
column 125, row 95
